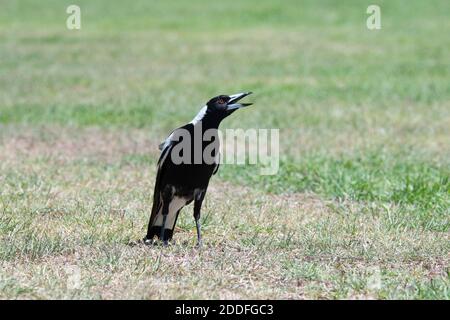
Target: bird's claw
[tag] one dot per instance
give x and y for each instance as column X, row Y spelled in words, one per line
column 148, row 242
column 152, row 242
column 199, row 245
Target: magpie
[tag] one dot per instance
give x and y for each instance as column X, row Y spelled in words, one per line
column 178, row 183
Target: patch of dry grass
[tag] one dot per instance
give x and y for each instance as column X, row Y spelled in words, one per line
column 80, row 200
column 364, row 122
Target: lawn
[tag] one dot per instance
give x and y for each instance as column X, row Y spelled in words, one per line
column 358, row 210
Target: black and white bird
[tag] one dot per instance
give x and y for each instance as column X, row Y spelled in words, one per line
column 178, row 183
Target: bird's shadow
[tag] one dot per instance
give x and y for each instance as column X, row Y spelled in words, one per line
column 160, row 244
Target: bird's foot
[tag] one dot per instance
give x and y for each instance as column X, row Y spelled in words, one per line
column 152, row 242
column 199, row 244
column 148, row 242
column 162, row 243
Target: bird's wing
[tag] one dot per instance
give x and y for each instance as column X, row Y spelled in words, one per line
column 165, row 143
column 170, row 141
column 157, row 191
column 170, row 138
column 165, row 148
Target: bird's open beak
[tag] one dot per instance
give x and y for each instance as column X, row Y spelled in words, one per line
column 232, row 103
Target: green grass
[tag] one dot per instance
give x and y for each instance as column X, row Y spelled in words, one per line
column 409, row 182
column 364, row 118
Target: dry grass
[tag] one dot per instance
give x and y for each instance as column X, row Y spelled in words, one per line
column 82, row 199
column 359, row 207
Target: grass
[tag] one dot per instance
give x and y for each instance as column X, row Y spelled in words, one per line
column 359, row 208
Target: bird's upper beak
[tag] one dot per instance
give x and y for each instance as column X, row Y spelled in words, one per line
column 232, row 103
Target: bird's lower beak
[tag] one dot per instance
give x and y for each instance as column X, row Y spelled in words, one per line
column 232, row 103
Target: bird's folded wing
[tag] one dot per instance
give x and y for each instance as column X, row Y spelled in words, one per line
column 166, row 142
column 170, row 141
column 173, row 137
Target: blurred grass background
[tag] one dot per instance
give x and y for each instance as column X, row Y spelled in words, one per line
column 363, row 115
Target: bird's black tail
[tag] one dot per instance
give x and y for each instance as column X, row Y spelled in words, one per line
column 159, row 197
column 157, row 207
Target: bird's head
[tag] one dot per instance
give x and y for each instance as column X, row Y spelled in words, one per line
column 226, row 105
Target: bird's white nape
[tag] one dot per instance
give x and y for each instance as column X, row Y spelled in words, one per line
column 199, row 115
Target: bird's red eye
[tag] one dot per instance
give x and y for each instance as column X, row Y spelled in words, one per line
column 221, row 101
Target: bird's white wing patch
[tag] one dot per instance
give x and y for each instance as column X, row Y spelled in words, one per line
column 194, row 121
column 166, row 142
column 165, row 147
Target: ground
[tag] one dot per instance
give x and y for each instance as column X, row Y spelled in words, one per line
column 359, row 208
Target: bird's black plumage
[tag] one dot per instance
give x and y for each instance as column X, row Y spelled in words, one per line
column 179, row 183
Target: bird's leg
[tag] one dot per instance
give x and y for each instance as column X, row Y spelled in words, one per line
column 199, row 235
column 197, row 207
column 163, row 228
column 165, row 212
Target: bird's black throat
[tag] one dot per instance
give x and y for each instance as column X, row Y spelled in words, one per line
column 213, row 118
